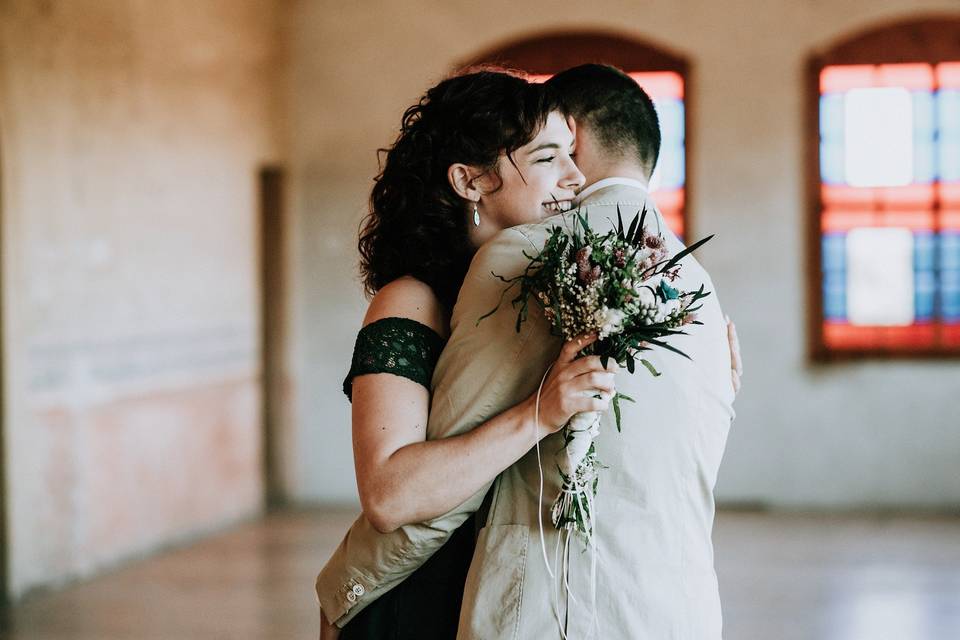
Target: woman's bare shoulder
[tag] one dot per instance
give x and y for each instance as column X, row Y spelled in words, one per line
column 408, row 297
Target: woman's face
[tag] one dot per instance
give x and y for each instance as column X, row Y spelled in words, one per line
column 542, row 180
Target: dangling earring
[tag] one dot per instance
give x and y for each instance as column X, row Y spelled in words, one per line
column 476, row 215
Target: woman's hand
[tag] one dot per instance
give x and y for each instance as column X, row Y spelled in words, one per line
column 736, row 364
column 572, row 386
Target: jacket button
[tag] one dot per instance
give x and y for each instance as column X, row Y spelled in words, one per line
column 359, row 590
column 351, row 596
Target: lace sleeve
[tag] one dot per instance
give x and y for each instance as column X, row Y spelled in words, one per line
column 400, row 346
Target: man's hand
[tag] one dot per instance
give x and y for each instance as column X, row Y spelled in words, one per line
column 736, row 365
column 328, row 631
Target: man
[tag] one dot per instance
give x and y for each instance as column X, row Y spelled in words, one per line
column 654, row 510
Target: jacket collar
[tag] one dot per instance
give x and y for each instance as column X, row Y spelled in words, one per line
column 611, row 182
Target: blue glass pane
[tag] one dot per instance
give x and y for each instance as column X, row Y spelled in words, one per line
column 950, row 295
column 924, row 162
column 949, row 258
column 834, row 256
column 831, row 117
column 925, row 286
column 670, row 111
column 924, row 249
column 948, row 109
column 834, row 296
column 949, row 158
column 671, row 167
column 831, row 163
column 924, row 115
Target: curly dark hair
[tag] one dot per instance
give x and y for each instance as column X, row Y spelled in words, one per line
column 417, row 224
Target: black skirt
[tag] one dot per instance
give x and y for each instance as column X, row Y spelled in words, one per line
column 425, row 606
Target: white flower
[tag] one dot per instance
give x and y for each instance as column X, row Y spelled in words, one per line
column 645, row 295
column 666, row 310
column 609, row 320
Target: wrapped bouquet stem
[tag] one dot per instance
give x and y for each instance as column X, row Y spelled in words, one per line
column 579, row 467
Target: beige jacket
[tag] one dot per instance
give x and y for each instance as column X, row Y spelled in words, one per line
column 655, row 504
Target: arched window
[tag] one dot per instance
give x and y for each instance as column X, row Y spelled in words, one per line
column 664, row 77
column 884, row 192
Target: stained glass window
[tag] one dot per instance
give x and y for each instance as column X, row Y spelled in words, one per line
column 889, row 154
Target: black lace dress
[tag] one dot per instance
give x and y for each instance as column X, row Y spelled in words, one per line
column 425, row 606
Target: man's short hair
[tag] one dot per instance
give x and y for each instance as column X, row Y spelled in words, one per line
column 614, row 107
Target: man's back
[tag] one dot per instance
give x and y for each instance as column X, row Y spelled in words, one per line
column 654, row 507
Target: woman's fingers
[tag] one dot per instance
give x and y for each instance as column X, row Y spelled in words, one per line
column 593, row 403
column 601, row 381
column 572, row 347
column 581, row 366
column 735, row 362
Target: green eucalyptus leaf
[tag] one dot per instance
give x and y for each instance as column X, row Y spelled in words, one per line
column 650, row 367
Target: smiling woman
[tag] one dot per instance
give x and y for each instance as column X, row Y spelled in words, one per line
column 539, row 177
column 480, row 152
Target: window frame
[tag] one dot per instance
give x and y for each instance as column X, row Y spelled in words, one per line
column 930, row 40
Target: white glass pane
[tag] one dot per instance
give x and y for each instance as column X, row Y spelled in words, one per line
column 880, row 277
column 878, row 136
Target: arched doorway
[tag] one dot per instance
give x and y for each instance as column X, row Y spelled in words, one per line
column 663, row 74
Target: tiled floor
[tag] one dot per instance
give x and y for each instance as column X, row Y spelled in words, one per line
column 783, row 577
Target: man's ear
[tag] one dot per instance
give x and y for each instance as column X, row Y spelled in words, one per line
column 463, row 179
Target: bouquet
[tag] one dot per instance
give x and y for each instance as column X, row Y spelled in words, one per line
column 618, row 285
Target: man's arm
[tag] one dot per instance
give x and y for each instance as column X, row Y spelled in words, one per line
column 485, row 368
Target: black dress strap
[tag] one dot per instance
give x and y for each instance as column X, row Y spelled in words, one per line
column 400, row 346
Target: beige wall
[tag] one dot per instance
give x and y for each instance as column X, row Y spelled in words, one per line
column 131, row 136
column 863, row 434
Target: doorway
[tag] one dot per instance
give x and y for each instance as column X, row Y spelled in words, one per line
column 273, row 322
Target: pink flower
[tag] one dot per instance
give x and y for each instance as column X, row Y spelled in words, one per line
column 585, row 272
column 653, row 242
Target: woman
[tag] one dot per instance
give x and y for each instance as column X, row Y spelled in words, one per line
column 479, row 153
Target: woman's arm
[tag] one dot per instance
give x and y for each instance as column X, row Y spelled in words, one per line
column 404, row 478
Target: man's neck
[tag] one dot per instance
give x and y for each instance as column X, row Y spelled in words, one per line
column 618, row 174
column 620, row 170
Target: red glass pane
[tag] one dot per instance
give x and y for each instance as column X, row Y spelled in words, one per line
column 844, row 78
column 950, row 220
column 948, row 75
column 842, row 220
column 844, row 196
column 674, row 220
column 660, row 84
column 843, row 336
column 840, row 335
column 919, row 220
column 949, row 193
column 917, row 336
column 915, row 77
column 912, row 195
column 950, row 335
column 669, row 198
